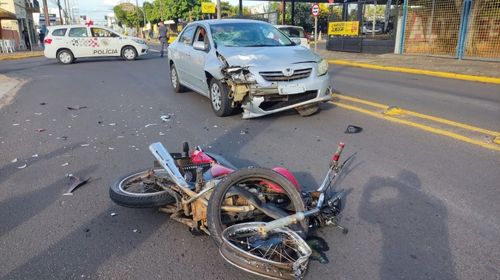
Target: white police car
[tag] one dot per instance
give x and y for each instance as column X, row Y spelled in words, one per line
column 68, row 42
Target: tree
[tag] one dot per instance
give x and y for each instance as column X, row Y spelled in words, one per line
column 129, row 15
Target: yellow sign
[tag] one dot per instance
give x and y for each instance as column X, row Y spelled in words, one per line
column 343, row 28
column 208, row 7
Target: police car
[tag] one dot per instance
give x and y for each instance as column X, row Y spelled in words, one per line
column 68, row 42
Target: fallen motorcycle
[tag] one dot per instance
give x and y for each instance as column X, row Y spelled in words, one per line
column 258, row 217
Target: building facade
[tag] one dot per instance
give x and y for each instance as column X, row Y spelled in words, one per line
column 11, row 28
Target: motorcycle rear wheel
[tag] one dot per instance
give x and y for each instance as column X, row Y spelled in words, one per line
column 136, row 190
column 249, row 176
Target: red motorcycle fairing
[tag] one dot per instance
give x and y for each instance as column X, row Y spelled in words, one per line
column 285, row 173
column 217, row 170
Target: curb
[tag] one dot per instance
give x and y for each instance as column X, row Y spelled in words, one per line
column 473, row 78
column 21, row 56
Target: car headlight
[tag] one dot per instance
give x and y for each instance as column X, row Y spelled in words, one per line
column 139, row 41
column 322, row 67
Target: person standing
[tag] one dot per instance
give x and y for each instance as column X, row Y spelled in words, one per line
column 162, row 29
column 26, row 39
column 42, row 37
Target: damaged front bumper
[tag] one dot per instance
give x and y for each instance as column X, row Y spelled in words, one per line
column 261, row 92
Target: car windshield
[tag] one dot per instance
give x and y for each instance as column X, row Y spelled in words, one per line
column 248, row 34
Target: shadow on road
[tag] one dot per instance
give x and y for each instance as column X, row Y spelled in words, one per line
column 413, row 226
column 16, row 210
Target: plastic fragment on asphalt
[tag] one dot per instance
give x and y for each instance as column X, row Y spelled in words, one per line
column 14, row 160
column 22, row 166
column 111, row 148
column 165, row 118
column 76, row 184
column 496, row 140
column 150, row 124
column 38, row 114
column 65, row 164
column 15, row 124
column 215, row 125
column 113, row 214
column 112, row 124
column 394, row 111
column 136, row 231
column 34, row 156
column 75, row 108
column 351, row 129
column 84, row 145
column 161, row 133
column 40, row 129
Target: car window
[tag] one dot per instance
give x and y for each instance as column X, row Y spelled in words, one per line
column 101, row 32
column 293, row 32
column 187, row 35
column 201, row 35
column 248, row 34
column 78, row 32
column 59, row 32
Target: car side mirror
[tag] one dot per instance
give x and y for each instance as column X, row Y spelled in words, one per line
column 198, row 45
column 296, row 41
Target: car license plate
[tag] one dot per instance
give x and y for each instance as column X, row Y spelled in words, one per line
column 291, row 89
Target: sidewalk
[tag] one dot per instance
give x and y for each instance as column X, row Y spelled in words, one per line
column 37, row 51
column 417, row 64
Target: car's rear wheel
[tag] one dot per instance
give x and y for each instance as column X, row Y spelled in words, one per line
column 219, row 98
column 65, row 56
column 174, row 79
column 129, row 53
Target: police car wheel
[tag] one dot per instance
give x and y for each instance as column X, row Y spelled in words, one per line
column 129, row 53
column 65, row 56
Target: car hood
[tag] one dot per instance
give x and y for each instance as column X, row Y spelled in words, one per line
column 267, row 56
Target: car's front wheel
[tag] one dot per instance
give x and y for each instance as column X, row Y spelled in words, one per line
column 65, row 56
column 129, row 53
column 219, row 98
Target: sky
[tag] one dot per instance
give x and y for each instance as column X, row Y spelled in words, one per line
column 97, row 9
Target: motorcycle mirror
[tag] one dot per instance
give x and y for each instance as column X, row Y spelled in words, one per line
column 185, row 148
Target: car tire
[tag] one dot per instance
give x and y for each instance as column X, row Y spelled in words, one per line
column 308, row 110
column 174, row 79
column 219, row 98
column 129, row 53
column 65, row 56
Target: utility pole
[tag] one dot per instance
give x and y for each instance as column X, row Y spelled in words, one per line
column 60, row 14
column 138, row 17
column 46, row 13
column 219, row 8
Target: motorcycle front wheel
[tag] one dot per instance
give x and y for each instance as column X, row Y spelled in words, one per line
column 140, row 189
column 252, row 182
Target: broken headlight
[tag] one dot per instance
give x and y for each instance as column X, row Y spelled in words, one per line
column 322, row 67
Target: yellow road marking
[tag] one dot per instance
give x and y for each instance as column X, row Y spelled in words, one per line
column 422, row 116
column 420, row 126
column 483, row 79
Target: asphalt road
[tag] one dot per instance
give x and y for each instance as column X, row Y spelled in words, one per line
column 419, row 205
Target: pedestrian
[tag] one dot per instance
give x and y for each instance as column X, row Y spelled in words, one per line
column 26, row 39
column 42, row 37
column 162, row 29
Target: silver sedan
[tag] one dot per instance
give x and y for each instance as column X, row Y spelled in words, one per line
column 248, row 64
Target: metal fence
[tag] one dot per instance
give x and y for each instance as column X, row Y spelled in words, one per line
column 454, row 28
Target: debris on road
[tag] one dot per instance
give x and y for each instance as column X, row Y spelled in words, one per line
column 65, row 164
column 77, row 183
column 40, row 129
column 111, row 148
column 351, row 129
column 136, row 231
column 165, row 118
column 76, row 108
column 150, row 124
column 84, row 145
column 34, row 156
column 38, row 114
column 14, row 160
column 15, row 124
column 113, row 214
column 394, row 111
column 43, row 103
column 112, row 124
column 161, row 133
column 22, row 166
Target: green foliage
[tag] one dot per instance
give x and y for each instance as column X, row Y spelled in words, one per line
column 129, row 15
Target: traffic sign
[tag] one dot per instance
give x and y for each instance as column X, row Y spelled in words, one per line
column 315, row 9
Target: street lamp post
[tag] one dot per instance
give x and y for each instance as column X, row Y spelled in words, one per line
column 46, row 13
